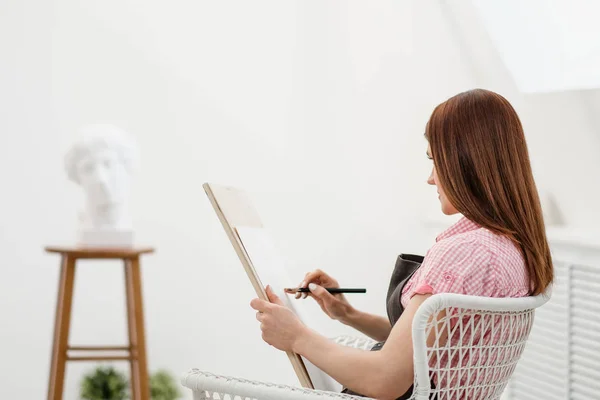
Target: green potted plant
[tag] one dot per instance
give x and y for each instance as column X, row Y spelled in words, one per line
column 104, row 383
column 163, row 386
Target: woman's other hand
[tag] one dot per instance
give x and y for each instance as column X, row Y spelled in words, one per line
column 280, row 327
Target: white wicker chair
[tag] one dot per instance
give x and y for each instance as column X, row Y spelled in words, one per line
column 485, row 338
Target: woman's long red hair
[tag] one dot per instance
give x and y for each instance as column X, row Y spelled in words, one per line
column 482, row 162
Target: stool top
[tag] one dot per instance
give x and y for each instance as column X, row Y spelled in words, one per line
column 95, row 252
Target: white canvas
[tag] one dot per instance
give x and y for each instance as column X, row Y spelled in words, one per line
column 270, row 269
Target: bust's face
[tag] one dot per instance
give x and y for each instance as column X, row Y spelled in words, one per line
column 104, row 177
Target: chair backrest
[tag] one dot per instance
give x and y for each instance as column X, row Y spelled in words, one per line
column 467, row 347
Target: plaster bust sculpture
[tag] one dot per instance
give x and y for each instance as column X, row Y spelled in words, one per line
column 101, row 162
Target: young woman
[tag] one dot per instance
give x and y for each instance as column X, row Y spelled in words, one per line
column 498, row 248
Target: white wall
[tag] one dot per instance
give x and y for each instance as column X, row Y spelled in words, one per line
column 318, row 108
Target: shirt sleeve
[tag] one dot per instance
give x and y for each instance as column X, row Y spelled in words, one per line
column 457, row 266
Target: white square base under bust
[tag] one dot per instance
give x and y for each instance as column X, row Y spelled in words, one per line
column 106, row 238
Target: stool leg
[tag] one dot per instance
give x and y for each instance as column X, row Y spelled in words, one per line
column 135, row 379
column 61, row 328
column 140, row 329
column 135, row 313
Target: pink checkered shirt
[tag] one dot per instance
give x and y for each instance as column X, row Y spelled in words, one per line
column 469, row 259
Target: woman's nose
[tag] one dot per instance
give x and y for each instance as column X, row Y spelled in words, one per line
column 430, row 180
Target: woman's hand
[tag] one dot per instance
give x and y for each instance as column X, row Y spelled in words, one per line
column 334, row 305
column 280, row 326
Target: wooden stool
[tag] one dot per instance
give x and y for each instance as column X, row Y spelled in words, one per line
column 136, row 351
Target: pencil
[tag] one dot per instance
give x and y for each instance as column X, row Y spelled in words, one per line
column 330, row 290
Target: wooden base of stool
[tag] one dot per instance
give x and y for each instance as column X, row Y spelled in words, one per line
column 135, row 353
